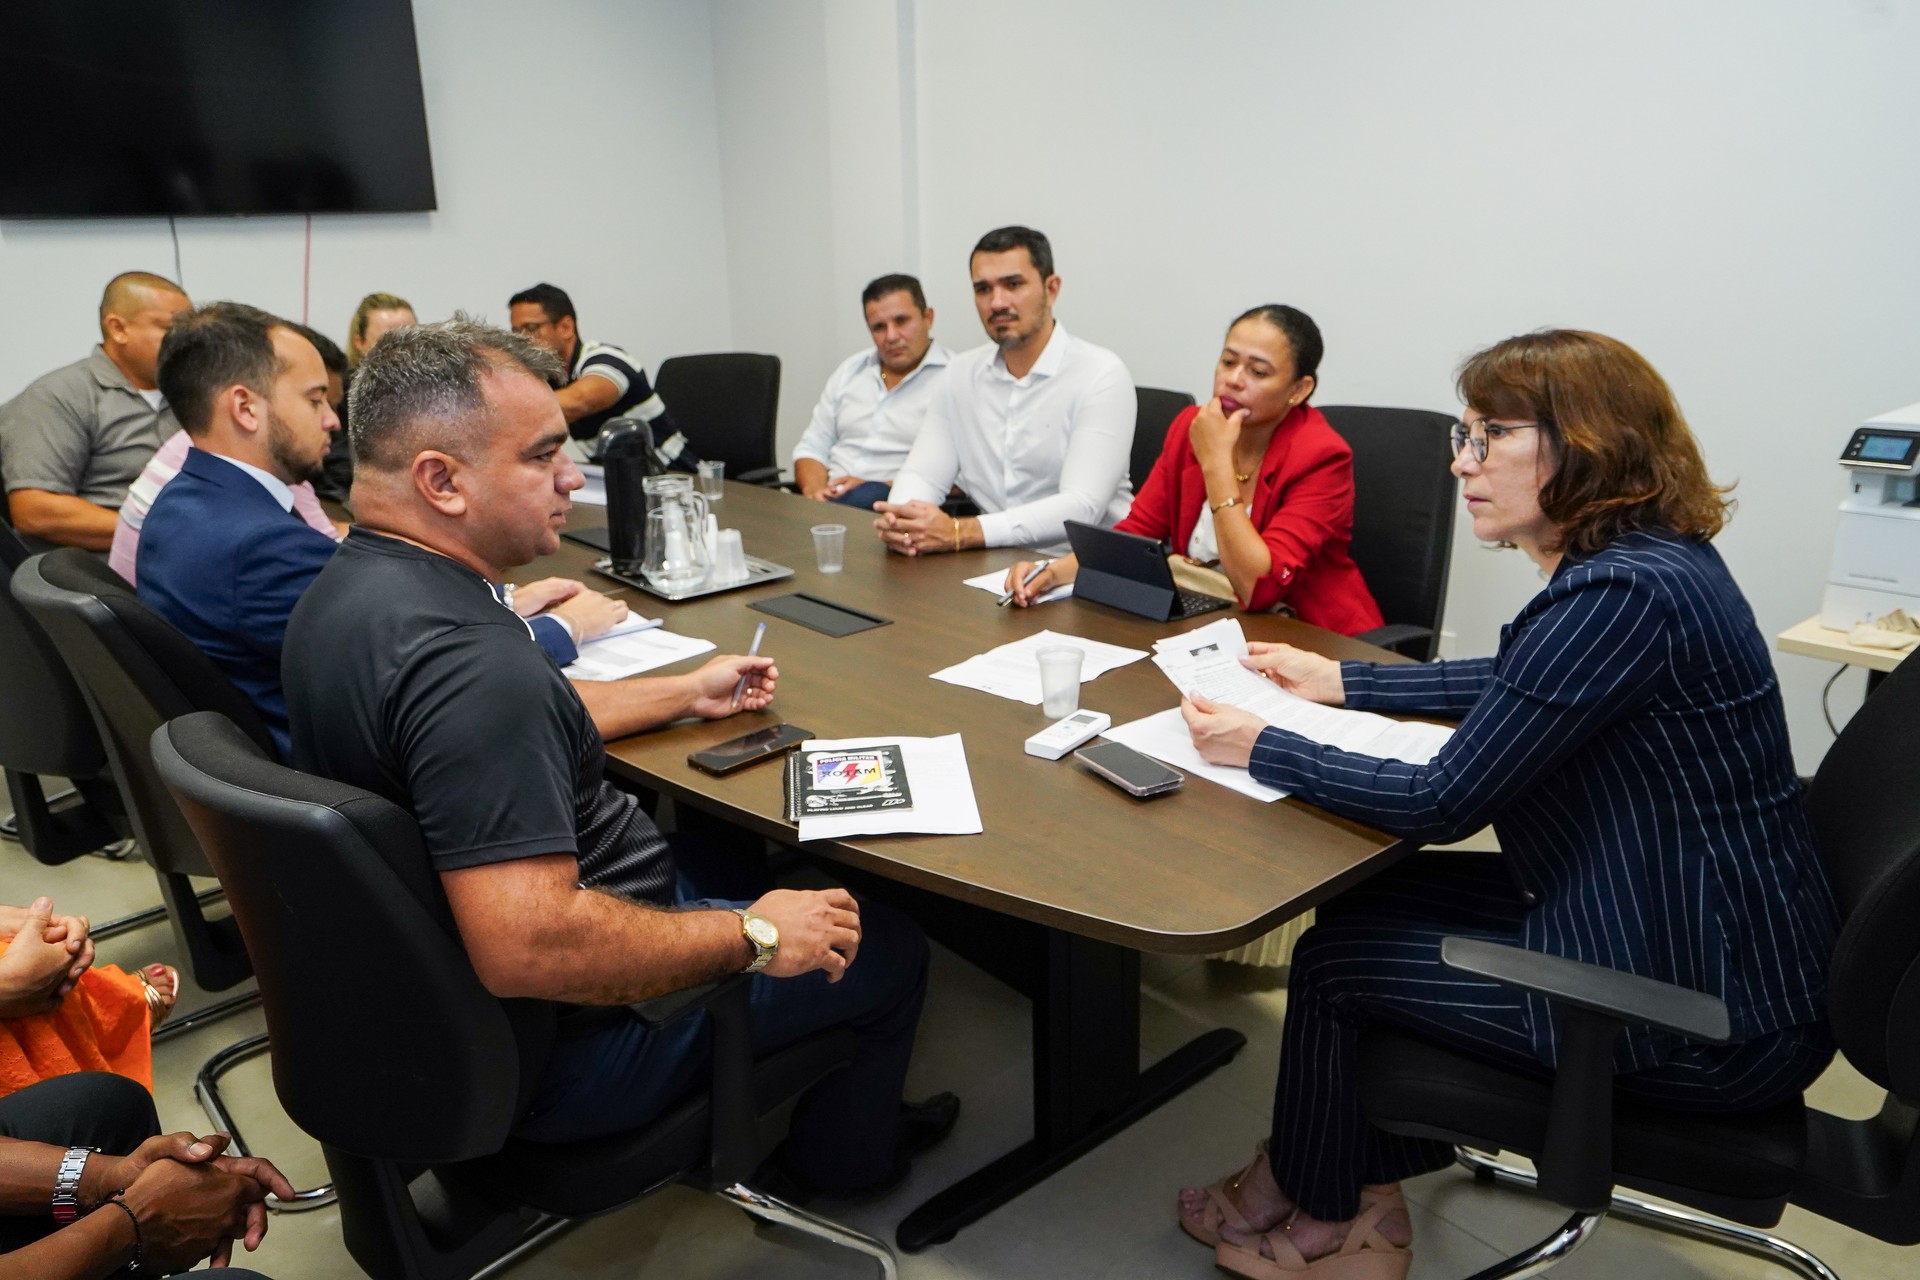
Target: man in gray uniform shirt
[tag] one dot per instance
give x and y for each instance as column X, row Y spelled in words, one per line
column 74, row 441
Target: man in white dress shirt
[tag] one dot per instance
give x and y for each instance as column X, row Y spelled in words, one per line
column 1036, row 426
column 874, row 403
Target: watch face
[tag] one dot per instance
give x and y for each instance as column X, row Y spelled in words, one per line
column 763, row 931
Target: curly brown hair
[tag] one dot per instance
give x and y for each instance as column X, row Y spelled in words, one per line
column 1623, row 456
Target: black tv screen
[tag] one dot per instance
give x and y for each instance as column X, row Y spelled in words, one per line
column 143, row 107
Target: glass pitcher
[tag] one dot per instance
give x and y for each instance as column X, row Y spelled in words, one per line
column 677, row 555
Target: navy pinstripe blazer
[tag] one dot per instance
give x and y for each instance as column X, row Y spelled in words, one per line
column 1629, row 747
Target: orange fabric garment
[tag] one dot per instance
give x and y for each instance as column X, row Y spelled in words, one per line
column 100, row 1026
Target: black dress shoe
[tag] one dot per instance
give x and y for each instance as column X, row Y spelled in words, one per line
column 922, row 1126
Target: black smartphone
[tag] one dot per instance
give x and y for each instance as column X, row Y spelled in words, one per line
column 750, row 748
column 1127, row 769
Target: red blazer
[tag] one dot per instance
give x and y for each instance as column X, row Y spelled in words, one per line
column 1302, row 505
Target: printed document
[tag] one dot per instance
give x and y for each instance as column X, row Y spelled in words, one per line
column 936, row 768
column 1013, row 670
column 637, row 644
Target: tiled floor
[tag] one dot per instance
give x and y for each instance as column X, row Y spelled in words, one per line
column 1109, row 1215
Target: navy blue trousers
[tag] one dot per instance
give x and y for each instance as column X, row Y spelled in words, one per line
column 1373, row 956
column 617, row 1075
column 865, row 495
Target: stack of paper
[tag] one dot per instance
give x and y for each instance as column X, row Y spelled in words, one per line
column 1013, row 670
column 1207, row 661
column 936, row 768
column 996, row 582
column 634, row 645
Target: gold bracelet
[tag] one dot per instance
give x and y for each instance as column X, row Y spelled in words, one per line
column 956, row 531
column 1230, row 502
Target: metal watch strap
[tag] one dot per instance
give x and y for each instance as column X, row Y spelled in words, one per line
column 66, row 1185
column 762, row 955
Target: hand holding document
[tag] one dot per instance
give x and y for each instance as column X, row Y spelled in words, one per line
column 1206, row 661
column 1013, row 670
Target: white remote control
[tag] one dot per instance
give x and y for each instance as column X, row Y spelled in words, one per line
column 1056, row 740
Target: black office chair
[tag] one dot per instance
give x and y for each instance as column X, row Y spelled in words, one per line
column 1585, row 1138
column 403, row 1066
column 137, row 672
column 1156, row 409
column 45, row 731
column 726, row 404
column 1403, row 505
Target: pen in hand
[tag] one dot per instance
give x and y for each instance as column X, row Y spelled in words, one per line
column 1028, row 581
column 740, row 686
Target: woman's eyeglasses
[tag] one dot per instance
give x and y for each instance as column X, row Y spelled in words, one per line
column 1479, row 433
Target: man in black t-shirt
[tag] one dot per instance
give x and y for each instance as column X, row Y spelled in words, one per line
column 406, row 677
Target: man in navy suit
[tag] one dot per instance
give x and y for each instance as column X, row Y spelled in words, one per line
column 222, row 555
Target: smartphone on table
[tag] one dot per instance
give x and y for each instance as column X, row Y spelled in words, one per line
column 1127, row 769
column 749, row 749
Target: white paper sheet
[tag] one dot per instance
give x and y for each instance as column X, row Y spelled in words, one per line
column 943, row 802
column 1164, row 736
column 996, row 582
column 615, row 657
column 1206, row 661
column 1013, row 670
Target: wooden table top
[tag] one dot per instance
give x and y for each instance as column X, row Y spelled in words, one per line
column 1199, row 870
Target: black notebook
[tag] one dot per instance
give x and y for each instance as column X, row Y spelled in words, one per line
column 858, row 780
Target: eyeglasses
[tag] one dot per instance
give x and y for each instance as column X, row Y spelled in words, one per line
column 532, row 327
column 1480, row 433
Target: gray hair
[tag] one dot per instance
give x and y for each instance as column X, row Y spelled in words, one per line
column 419, row 387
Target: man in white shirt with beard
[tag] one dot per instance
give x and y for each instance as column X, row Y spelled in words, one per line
column 1035, row 426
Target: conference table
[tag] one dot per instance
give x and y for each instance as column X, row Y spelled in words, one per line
column 1071, row 880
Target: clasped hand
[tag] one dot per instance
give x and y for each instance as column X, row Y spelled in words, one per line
column 45, row 956
column 914, row 528
column 191, row 1201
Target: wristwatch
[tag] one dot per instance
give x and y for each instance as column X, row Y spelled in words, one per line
column 762, row 934
column 66, row 1185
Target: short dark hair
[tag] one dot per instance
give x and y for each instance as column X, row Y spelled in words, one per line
column 1001, row 239
column 550, row 298
column 1303, row 335
column 330, row 355
column 214, row 347
column 419, row 387
column 895, row 283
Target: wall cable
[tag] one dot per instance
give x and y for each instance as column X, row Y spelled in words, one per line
column 179, row 277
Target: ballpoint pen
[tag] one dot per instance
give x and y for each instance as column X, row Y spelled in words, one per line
column 740, row 687
column 1037, row 571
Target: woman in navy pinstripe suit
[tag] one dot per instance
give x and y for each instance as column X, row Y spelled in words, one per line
column 1629, row 747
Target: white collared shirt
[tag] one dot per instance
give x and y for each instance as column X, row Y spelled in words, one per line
column 271, row 483
column 863, row 428
column 1031, row 452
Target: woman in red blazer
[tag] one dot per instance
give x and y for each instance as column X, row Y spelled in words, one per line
column 1254, row 483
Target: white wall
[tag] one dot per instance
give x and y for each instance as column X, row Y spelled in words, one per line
column 575, row 141
column 1728, row 185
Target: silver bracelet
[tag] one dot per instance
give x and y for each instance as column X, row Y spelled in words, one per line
column 66, row 1185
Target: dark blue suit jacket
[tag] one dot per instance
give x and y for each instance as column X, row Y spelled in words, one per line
column 221, row 561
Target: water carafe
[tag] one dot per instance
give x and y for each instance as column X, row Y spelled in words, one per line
column 677, row 555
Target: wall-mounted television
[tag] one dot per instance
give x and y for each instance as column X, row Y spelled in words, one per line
column 125, row 108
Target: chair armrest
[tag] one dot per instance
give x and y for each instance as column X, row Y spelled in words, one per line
column 1627, row 997
column 1397, row 634
column 768, row 476
column 661, row 1010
